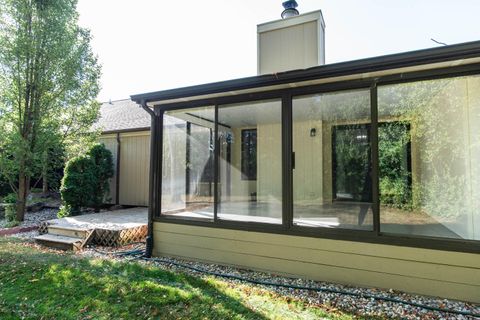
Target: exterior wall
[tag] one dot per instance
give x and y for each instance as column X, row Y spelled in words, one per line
column 293, row 43
column 134, row 167
column 431, row 272
column 110, row 142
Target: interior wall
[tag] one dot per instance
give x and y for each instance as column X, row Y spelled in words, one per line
column 309, row 162
column 446, row 141
column 174, row 168
column 473, row 125
column 239, row 187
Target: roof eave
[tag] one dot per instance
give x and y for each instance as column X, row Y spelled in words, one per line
column 398, row 60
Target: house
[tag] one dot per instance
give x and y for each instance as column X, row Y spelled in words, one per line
column 125, row 131
column 363, row 172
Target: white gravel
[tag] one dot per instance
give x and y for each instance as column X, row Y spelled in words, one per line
column 362, row 306
column 34, row 218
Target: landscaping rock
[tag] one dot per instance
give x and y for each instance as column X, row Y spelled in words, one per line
column 36, row 207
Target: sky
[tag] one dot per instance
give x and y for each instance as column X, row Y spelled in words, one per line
column 152, row 45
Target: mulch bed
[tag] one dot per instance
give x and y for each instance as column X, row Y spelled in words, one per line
column 14, row 230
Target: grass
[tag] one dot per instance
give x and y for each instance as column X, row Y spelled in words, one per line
column 39, row 284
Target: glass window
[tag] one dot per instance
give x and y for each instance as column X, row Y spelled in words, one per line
column 332, row 183
column 429, row 156
column 249, row 154
column 250, row 164
column 187, row 163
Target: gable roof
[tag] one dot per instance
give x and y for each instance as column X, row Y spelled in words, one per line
column 122, row 115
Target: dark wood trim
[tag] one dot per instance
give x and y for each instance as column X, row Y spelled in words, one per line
column 117, row 180
column 287, row 228
column 374, row 154
column 287, row 162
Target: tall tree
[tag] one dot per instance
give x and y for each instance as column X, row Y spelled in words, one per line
column 48, row 72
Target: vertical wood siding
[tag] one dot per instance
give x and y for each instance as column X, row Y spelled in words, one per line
column 110, row 142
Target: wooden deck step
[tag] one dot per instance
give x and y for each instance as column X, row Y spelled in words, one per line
column 59, row 242
column 73, row 232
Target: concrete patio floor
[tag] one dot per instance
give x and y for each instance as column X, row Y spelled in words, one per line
column 108, row 220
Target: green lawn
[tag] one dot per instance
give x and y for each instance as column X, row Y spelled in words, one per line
column 45, row 285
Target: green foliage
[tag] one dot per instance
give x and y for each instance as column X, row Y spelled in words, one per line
column 102, row 157
column 35, row 285
column 48, row 82
column 393, row 154
column 78, row 184
column 85, row 180
column 10, row 198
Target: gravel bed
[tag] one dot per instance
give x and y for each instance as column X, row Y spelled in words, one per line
column 362, row 306
column 35, row 218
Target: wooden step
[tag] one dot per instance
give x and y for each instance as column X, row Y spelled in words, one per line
column 59, row 242
column 72, row 232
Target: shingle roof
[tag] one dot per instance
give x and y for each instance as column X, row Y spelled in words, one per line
column 122, row 115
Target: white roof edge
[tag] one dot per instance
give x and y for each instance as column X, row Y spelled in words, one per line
column 284, row 23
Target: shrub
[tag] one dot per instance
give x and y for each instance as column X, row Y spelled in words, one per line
column 78, row 184
column 10, row 209
column 102, row 157
column 10, row 198
column 85, row 181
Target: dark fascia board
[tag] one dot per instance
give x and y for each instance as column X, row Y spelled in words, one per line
column 398, row 60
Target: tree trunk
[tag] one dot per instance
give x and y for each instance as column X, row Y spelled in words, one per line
column 45, row 173
column 22, row 195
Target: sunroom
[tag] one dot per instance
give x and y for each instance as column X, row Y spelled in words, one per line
column 364, row 172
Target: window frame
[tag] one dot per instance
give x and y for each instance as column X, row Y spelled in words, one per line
column 287, row 228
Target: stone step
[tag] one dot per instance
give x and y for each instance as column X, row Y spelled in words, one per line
column 73, row 232
column 59, row 242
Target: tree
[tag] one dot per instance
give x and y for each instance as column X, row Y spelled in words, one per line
column 49, row 79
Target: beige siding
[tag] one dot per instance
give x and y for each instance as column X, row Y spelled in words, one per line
column 110, row 142
column 134, row 168
column 308, row 172
column 295, row 47
column 269, row 162
column 431, row 272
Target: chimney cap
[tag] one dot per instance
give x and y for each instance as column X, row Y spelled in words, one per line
column 290, row 9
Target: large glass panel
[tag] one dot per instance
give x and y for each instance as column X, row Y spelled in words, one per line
column 250, row 166
column 332, row 184
column 187, row 163
column 429, row 153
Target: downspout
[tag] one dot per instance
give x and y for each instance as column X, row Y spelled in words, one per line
column 152, row 175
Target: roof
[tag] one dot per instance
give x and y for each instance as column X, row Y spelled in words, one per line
column 122, row 115
column 363, row 67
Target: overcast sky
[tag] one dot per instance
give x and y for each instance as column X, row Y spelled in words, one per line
column 151, row 45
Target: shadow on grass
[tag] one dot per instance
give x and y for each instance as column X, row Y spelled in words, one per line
column 36, row 285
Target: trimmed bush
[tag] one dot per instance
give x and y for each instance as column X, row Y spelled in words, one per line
column 78, row 184
column 102, row 157
column 10, row 209
column 85, row 181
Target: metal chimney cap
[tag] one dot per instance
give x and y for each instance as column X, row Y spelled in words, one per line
column 290, row 9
